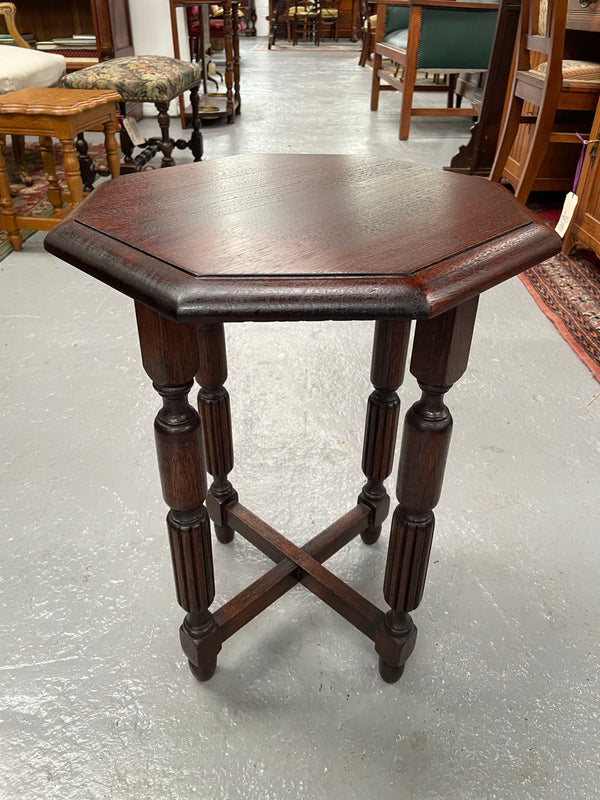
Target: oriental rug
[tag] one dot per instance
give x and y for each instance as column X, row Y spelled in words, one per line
column 567, row 290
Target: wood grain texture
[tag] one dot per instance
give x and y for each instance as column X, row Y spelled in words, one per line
column 333, row 237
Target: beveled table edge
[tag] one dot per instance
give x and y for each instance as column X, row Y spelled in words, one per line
column 186, row 298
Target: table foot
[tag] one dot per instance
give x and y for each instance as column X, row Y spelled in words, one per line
column 201, row 643
column 389, row 673
column 371, row 535
column 394, row 642
column 205, row 672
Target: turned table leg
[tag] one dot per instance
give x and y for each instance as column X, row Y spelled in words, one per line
column 170, row 357
column 439, row 358
column 213, row 404
column 390, row 345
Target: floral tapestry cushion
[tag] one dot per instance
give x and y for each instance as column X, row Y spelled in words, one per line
column 151, row 79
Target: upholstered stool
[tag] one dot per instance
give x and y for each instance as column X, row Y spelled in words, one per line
column 347, row 238
column 147, row 79
column 59, row 114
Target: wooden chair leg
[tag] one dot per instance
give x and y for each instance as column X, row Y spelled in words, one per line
column 410, row 77
column 377, row 61
column 507, row 138
column 537, row 149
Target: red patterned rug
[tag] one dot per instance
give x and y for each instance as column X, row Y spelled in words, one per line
column 567, row 290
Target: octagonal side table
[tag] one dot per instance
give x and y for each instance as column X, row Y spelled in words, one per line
column 302, row 237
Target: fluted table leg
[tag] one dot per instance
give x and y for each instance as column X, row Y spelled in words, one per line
column 170, row 357
column 439, row 358
column 387, row 373
column 213, row 403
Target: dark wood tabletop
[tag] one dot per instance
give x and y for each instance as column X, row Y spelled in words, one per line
column 266, row 237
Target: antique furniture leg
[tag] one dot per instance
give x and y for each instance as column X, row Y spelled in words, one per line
column 387, row 373
column 440, row 355
column 8, row 216
column 54, row 193
column 72, row 173
column 170, row 357
column 166, row 144
column 196, row 145
column 213, row 404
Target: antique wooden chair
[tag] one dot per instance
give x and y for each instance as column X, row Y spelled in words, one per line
column 551, row 86
column 430, row 36
column 22, row 67
column 327, row 20
column 368, row 23
column 300, row 17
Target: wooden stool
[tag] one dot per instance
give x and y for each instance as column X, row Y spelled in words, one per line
column 335, row 238
column 62, row 114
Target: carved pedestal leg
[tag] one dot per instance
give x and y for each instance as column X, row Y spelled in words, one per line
column 170, row 357
column 213, row 402
column 387, row 373
column 440, row 355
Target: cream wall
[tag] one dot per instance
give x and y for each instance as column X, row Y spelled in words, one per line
column 151, row 26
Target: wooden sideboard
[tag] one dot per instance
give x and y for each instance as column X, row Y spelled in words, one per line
column 107, row 19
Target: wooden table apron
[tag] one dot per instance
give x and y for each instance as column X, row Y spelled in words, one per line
column 181, row 314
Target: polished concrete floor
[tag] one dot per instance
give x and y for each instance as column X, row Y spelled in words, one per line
column 501, row 698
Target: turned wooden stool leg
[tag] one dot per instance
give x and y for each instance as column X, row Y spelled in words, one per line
column 166, row 143
column 112, row 149
column 213, row 403
column 390, row 345
column 196, row 145
column 54, row 193
column 170, row 357
column 8, row 216
column 72, row 173
column 440, row 355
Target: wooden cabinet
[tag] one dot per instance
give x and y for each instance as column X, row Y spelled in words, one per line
column 107, row 19
column 585, row 227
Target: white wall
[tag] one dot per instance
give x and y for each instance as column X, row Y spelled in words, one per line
column 151, row 26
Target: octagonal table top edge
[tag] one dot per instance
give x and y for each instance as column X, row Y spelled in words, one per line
column 390, row 240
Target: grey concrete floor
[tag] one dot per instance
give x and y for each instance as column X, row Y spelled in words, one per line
column 501, row 697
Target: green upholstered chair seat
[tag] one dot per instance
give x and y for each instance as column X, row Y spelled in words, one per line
column 151, row 79
column 397, row 39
